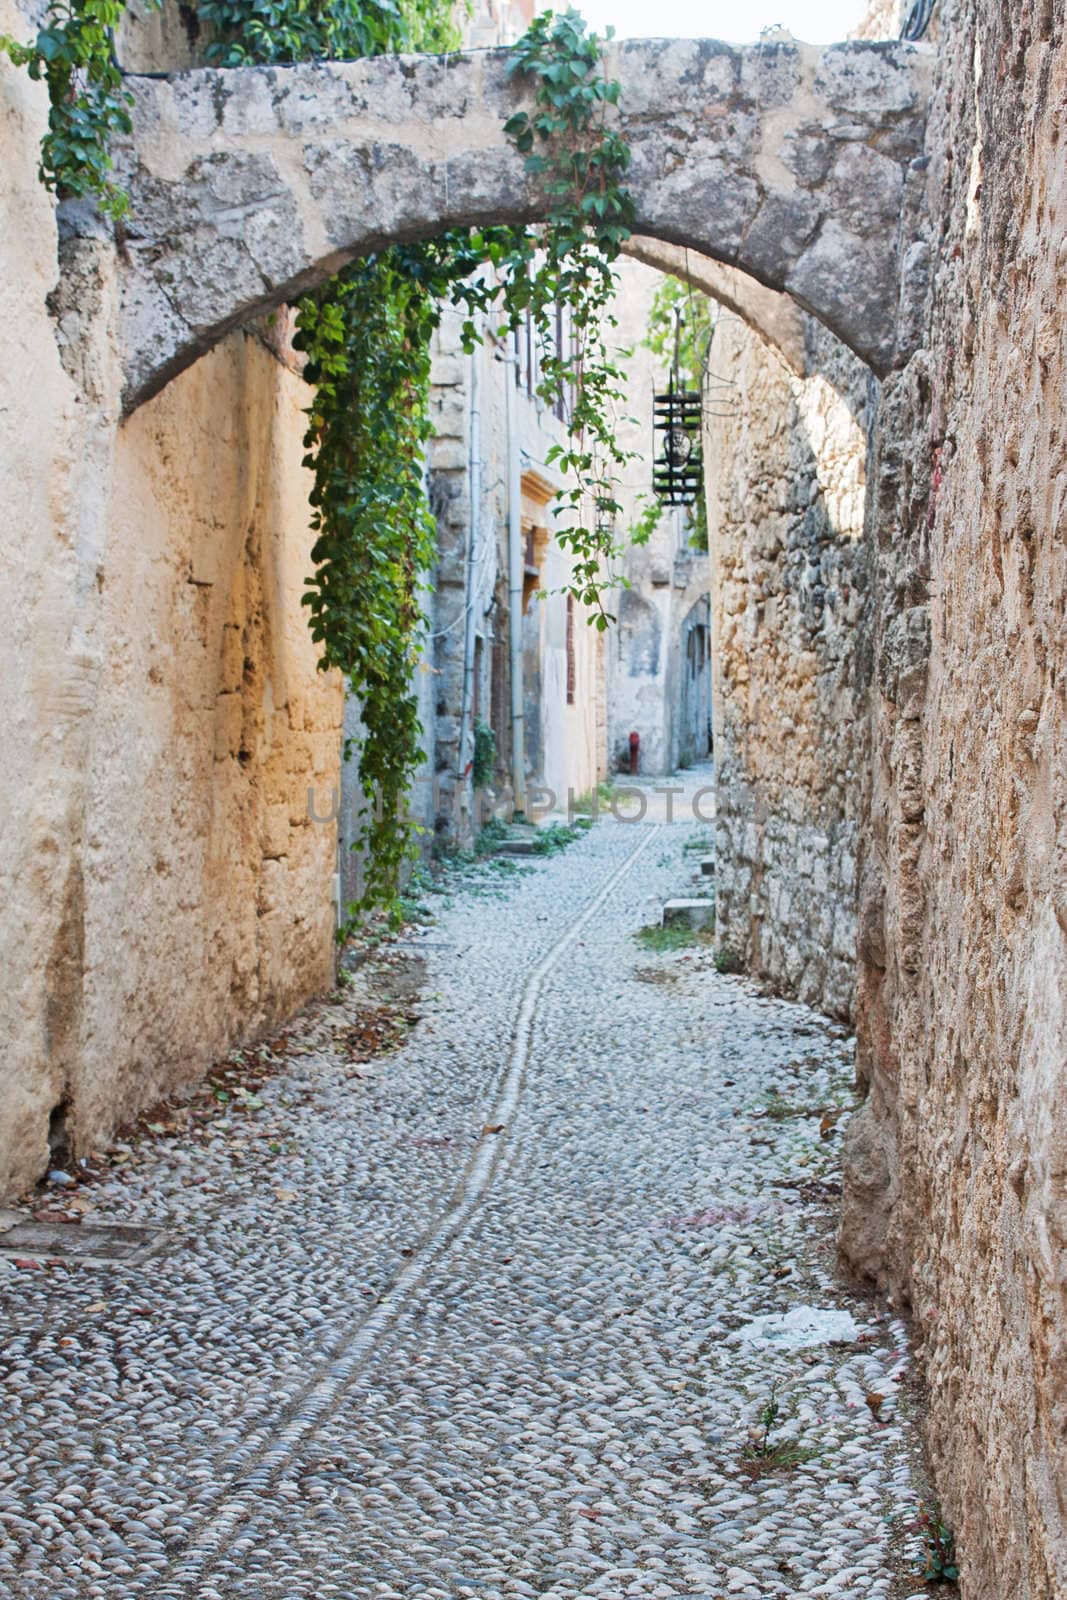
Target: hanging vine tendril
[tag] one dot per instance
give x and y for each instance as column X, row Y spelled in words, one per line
column 366, row 336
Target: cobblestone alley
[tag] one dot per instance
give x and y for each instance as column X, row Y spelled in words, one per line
column 541, row 1303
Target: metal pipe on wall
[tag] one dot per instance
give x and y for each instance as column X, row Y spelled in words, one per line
column 515, row 577
column 465, row 753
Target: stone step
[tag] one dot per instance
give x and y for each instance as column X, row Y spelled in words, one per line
column 689, row 914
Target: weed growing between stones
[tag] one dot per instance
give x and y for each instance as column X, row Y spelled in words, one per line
column 938, row 1562
column 558, row 835
column 675, row 937
column 763, row 1454
column 729, row 961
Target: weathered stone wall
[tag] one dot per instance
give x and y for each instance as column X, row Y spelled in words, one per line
column 208, row 902
column 957, row 1170
column 785, row 458
column 164, row 892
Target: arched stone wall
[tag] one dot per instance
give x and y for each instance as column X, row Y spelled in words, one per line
column 247, row 186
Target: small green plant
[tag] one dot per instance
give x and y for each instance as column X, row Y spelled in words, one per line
column 409, row 905
column 768, row 1416
column 483, row 767
column 676, row 936
column 490, row 836
column 777, row 1107
column 557, row 836
column 764, row 1454
column 938, row 1561
column 729, row 961
column 647, row 521
column 594, row 801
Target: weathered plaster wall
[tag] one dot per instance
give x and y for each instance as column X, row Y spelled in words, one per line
column 45, row 666
column 785, row 487
column 163, row 893
column 957, row 1169
column 208, row 906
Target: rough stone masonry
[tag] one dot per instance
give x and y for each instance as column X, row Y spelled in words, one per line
column 789, row 162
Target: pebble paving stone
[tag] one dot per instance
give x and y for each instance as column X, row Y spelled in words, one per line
column 409, row 1358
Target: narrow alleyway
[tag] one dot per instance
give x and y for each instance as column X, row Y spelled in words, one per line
column 542, row 1303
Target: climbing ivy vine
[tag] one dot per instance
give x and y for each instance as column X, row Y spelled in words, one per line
column 366, row 334
column 258, row 32
column 88, row 104
column 367, row 338
column 581, row 162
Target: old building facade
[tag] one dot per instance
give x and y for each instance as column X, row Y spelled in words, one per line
column 494, row 606
column 658, row 654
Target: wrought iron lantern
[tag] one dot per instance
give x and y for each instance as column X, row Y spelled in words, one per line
column 678, row 468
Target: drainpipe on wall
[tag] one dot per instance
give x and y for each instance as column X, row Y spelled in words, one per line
column 474, row 523
column 515, row 575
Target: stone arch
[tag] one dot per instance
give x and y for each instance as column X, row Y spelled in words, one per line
column 248, row 186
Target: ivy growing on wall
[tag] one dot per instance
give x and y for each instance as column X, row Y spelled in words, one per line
column 88, row 103
column 367, row 333
column 367, row 338
column 580, row 161
column 257, row 32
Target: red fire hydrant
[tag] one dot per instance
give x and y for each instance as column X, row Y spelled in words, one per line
column 635, row 753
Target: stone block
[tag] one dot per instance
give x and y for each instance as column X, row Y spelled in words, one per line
column 694, row 914
column 274, row 831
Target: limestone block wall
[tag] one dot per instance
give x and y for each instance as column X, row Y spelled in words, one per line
column 164, row 894
column 956, row 1191
column 785, row 484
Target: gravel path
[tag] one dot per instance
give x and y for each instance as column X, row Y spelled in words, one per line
column 542, row 1303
